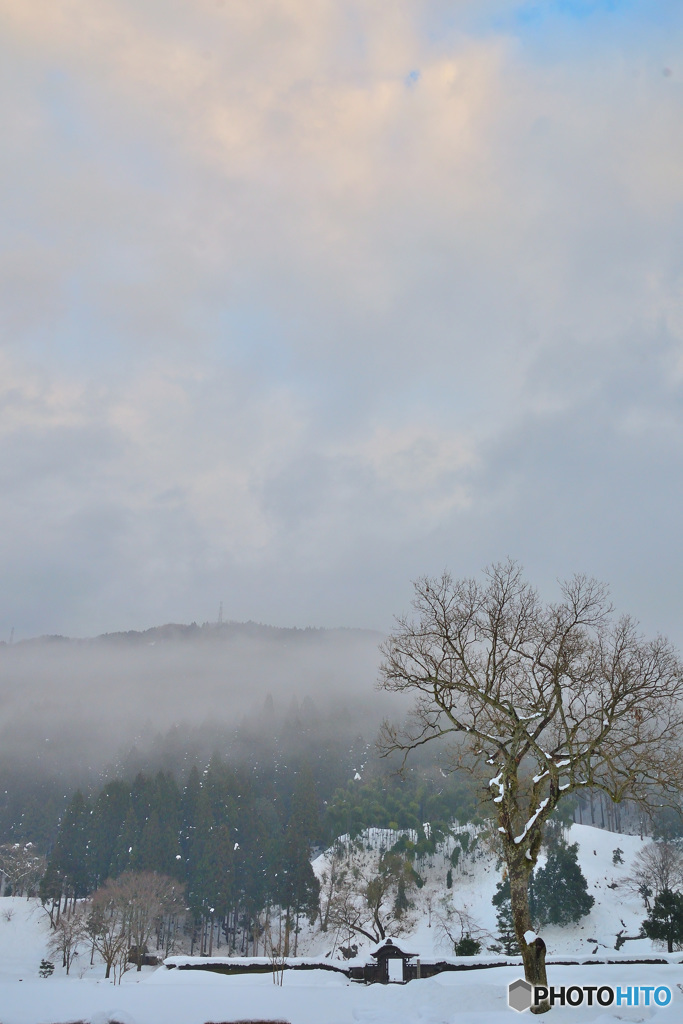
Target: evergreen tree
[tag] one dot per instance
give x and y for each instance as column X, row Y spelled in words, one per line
column 167, row 805
column 125, row 847
column 109, row 813
column 401, row 903
column 212, row 891
column 142, row 799
column 665, row 921
column 558, row 892
column 189, row 810
column 506, row 928
column 304, row 807
column 151, row 852
column 158, row 848
column 299, row 889
column 260, row 858
column 198, row 837
column 69, row 860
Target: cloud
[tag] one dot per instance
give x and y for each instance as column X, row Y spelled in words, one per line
column 299, row 301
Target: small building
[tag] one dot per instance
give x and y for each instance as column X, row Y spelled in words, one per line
column 392, row 964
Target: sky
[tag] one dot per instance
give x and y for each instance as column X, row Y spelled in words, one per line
column 303, row 299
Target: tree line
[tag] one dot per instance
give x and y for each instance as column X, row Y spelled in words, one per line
column 234, row 851
column 237, row 843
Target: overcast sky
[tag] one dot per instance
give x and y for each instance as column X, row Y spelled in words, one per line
column 300, row 299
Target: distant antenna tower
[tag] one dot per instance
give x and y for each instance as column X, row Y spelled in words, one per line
column 11, row 636
column 220, row 613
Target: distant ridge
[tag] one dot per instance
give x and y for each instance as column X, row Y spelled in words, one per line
column 207, row 632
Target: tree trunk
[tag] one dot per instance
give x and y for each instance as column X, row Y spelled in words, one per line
column 533, row 954
column 287, row 927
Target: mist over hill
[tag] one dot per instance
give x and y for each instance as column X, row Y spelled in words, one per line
column 71, row 706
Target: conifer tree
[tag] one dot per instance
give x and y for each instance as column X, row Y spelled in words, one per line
column 109, row 813
column 212, row 891
column 506, row 929
column 299, row 887
column 558, row 892
column 665, row 921
column 125, row 847
column 189, row 810
column 69, row 861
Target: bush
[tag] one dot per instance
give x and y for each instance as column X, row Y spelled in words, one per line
column 467, row 946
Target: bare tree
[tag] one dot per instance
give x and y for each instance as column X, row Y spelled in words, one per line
column 656, row 868
column 368, row 901
column 144, row 897
column 68, row 934
column 552, row 698
column 274, row 950
column 22, row 866
column 453, row 924
column 107, row 927
column 328, row 886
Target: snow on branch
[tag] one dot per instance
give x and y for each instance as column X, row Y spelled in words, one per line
column 501, row 788
column 532, row 819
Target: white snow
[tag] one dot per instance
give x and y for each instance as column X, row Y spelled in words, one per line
column 159, row 995
column 175, row 997
column 531, row 820
column 500, row 786
column 529, row 936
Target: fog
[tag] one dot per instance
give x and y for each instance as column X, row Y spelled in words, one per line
column 76, row 708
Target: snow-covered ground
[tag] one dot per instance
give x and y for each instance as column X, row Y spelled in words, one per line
column 162, row 996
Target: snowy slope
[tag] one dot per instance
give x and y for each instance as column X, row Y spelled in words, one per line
column 474, row 884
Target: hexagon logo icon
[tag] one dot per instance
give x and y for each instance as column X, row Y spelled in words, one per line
column 519, row 995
